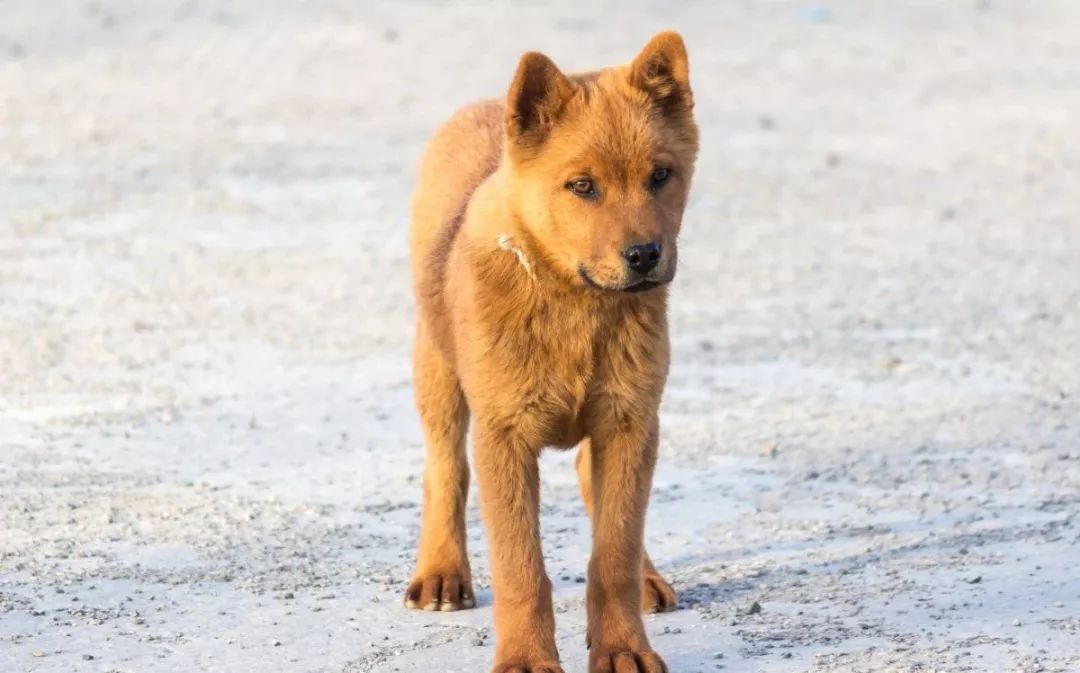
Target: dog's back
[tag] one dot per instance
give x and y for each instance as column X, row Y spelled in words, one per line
column 461, row 155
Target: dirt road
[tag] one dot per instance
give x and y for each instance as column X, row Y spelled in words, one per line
column 208, row 451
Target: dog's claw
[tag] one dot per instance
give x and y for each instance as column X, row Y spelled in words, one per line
column 657, row 595
column 527, row 668
column 440, row 593
column 629, row 662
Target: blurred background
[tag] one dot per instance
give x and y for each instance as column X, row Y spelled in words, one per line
column 209, row 458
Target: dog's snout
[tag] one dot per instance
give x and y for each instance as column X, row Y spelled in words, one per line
column 642, row 258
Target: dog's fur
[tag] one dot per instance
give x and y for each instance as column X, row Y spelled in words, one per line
column 532, row 322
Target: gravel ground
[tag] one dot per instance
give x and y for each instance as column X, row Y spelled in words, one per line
column 208, row 451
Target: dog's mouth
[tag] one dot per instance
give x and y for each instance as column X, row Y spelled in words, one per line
column 642, row 286
column 639, row 286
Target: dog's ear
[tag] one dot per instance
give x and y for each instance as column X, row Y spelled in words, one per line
column 537, row 95
column 662, row 70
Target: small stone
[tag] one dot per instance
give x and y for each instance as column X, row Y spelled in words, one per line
column 37, row 654
column 755, row 608
column 974, row 580
column 276, row 643
column 1016, row 622
column 289, row 595
column 88, row 657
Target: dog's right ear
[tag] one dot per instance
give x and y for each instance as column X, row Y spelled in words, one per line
column 662, row 70
column 537, row 96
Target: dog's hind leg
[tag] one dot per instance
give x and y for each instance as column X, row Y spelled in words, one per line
column 442, row 580
column 656, row 593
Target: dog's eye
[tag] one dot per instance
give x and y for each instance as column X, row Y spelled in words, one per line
column 582, row 187
column 659, row 177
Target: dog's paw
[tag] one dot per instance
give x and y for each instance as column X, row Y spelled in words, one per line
column 440, row 592
column 627, row 662
column 527, row 667
column 657, row 595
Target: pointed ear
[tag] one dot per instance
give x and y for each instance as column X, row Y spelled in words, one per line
column 662, row 70
column 537, row 95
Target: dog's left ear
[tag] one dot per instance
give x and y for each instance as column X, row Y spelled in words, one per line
column 662, row 70
column 536, row 98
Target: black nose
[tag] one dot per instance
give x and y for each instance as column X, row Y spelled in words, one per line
column 642, row 258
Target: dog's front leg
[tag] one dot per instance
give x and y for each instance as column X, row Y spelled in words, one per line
column 624, row 455
column 509, row 479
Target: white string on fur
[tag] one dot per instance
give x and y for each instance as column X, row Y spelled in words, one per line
column 506, row 243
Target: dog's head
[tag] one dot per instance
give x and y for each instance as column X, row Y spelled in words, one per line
column 602, row 162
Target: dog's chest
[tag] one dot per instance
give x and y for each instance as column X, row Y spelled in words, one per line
column 564, row 380
column 555, row 349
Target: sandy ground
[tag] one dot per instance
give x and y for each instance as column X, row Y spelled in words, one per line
column 208, row 451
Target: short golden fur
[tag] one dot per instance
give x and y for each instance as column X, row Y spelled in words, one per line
column 539, row 319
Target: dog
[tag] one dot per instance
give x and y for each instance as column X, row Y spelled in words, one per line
column 543, row 239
